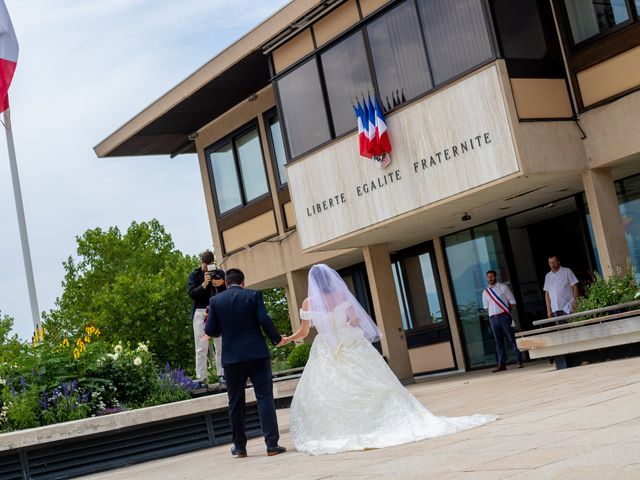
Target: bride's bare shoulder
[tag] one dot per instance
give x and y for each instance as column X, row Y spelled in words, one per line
column 306, row 304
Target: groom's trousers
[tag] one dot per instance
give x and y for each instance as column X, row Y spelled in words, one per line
column 236, row 375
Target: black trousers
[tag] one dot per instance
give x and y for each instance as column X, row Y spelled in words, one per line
column 236, row 375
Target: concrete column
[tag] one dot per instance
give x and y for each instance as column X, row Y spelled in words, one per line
column 387, row 309
column 447, row 293
column 608, row 228
column 297, row 288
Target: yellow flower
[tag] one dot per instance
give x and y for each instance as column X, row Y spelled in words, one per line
column 76, row 353
column 65, row 342
column 97, row 332
column 38, row 335
column 87, row 339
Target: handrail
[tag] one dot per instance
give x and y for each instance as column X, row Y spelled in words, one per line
column 564, row 318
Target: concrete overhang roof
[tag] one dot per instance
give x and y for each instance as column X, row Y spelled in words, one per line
column 240, row 70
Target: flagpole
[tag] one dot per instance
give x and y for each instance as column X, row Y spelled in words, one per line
column 22, row 224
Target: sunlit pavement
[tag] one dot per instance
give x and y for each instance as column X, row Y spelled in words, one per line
column 578, row 423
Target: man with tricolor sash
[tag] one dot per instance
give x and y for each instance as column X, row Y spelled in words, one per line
column 498, row 300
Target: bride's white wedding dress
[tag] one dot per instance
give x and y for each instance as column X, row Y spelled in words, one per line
column 349, row 399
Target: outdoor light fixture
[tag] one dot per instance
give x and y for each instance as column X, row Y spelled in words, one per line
column 466, row 217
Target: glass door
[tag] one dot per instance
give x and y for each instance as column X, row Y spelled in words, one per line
column 470, row 254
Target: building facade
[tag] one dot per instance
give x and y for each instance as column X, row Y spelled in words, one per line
column 515, row 134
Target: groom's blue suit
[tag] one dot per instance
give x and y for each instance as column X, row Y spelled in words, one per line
column 239, row 315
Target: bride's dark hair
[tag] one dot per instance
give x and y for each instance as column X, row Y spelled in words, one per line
column 322, row 279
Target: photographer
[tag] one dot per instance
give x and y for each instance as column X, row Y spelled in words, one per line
column 205, row 282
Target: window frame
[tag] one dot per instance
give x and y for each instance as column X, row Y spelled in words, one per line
column 596, row 49
column 282, row 192
column 529, row 67
column 574, row 47
column 231, row 217
column 362, row 25
column 424, row 334
column 268, row 117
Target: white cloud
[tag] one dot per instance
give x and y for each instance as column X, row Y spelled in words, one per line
column 85, row 67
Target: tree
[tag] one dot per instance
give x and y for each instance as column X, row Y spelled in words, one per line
column 276, row 302
column 10, row 345
column 133, row 287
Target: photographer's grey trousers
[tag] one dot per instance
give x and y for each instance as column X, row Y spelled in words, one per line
column 202, row 347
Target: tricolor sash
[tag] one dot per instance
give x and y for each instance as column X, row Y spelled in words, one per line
column 498, row 301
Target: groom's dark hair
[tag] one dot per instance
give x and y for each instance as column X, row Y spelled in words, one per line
column 234, row 276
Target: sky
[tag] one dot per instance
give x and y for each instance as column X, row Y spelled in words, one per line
column 85, row 68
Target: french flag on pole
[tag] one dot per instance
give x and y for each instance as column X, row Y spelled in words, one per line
column 8, row 55
column 374, row 149
column 363, row 140
column 373, row 138
column 382, row 136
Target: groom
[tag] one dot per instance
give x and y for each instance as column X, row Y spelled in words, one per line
column 238, row 315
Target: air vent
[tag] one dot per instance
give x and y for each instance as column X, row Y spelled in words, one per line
column 513, row 197
column 10, row 467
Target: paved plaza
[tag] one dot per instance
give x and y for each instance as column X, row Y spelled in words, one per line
column 578, row 423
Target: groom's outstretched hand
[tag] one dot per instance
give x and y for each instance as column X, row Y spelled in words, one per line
column 283, row 342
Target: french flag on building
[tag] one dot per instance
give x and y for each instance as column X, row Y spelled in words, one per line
column 382, row 137
column 363, row 139
column 8, row 55
column 371, row 129
column 373, row 138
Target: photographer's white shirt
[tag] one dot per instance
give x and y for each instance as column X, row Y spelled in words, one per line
column 558, row 285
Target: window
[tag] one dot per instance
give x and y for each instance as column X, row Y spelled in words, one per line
column 418, row 289
column 387, row 54
column 277, row 146
column 347, row 76
column 456, row 35
column 303, row 108
column 589, row 18
column 252, row 165
column 521, row 29
column 225, row 178
column 237, row 168
column 629, row 199
column 399, row 58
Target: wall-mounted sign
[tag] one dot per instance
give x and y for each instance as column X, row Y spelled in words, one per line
column 450, row 142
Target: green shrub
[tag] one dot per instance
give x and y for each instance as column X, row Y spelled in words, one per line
column 299, row 356
column 19, row 407
column 618, row 288
column 280, row 357
column 132, row 372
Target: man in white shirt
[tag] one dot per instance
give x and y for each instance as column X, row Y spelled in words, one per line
column 498, row 300
column 560, row 289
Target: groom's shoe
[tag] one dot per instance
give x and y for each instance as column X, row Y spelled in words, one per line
column 499, row 368
column 236, row 452
column 277, row 450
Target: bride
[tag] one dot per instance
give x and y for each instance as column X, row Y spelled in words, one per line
column 348, row 398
